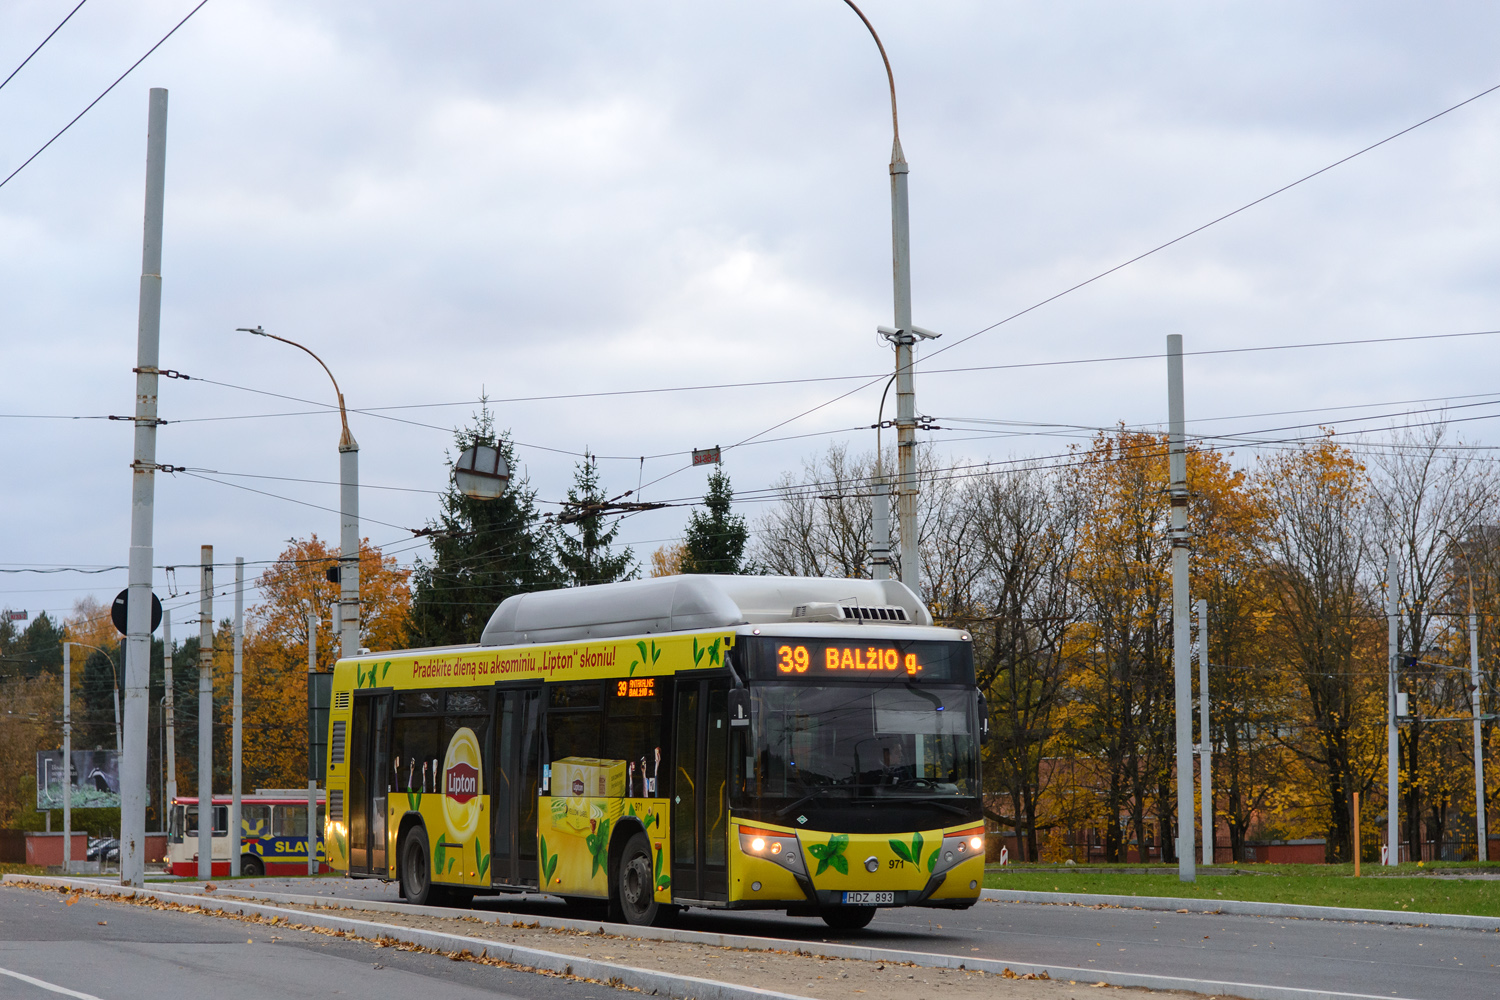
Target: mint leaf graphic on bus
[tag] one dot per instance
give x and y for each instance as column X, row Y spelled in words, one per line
column 912, row 854
column 831, row 854
column 662, row 881
column 598, row 845
column 648, row 657
column 712, row 649
column 549, row 863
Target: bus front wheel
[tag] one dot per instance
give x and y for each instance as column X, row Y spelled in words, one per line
column 634, row 895
column 416, row 869
column 848, row 918
column 251, row 867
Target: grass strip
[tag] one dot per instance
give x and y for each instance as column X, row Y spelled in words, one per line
column 1422, row 894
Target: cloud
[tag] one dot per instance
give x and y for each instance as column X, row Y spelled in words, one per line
column 520, row 199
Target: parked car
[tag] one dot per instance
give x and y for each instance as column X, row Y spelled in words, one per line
column 107, row 847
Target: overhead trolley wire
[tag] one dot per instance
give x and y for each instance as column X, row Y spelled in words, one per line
column 1141, row 256
column 44, row 41
column 9, row 177
column 1214, row 222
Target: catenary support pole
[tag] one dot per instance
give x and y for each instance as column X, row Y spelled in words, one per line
column 1206, row 757
column 348, row 545
column 1392, row 772
column 142, row 514
column 906, row 395
column 169, row 700
column 312, row 782
column 67, row 761
column 206, row 713
column 1181, row 636
column 236, row 737
column 1481, row 827
column 880, row 530
column 904, row 337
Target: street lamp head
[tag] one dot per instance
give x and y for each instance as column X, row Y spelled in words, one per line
column 481, row 472
column 251, row 329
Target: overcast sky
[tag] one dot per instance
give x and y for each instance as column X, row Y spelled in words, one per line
column 524, row 199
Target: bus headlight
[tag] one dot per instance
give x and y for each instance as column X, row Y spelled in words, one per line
column 959, row 847
column 778, row 847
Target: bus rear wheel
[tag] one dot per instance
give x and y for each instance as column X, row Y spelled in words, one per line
column 848, row 918
column 416, row 869
column 633, row 898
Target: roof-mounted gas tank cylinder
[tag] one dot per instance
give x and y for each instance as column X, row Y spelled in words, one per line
column 693, row 602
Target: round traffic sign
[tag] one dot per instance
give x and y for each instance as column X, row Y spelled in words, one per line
column 117, row 611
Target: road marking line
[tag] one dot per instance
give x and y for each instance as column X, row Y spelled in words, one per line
column 47, row 986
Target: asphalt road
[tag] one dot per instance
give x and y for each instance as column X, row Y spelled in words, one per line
column 1375, row 959
column 119, row 951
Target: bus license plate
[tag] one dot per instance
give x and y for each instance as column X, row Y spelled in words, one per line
column 868, row 898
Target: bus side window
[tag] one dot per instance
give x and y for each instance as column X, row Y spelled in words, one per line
column 255, row 820
column 190, row 823
column 289, row 821
column 221, row 821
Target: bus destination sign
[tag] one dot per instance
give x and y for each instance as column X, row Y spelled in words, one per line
column 788, row 658
column 795, row 659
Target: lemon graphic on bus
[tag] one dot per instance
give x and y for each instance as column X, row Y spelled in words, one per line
column 462, row 785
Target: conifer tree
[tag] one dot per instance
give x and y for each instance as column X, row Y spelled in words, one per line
column 715, row 540
column 584, row 550
column 483, row 551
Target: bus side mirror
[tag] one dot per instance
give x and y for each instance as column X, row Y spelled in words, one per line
column 984, row 717
column 739, row 707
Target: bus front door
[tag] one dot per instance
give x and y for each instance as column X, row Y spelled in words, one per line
column 700, row 793
column 369, row 751
column 513, row 790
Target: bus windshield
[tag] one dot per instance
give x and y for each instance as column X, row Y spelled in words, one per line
column 818, row 747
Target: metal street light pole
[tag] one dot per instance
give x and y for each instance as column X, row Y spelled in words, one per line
column 1481, row 826
column 312, row 783
column 1392, row 738
column 169, row 710
column 1182, row 668
column 67, row 761
column 348, row 512
column 206, row 713
column 1206, row 756
column 904, row 336
column 236, row 725
column 1480, row 806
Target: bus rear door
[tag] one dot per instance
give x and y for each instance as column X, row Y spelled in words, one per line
column 369, row 752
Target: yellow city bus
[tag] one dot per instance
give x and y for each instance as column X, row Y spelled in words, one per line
column 808, row 745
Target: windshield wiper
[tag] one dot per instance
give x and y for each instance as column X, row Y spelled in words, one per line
column 816, row 793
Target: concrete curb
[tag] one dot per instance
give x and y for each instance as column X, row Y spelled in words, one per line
column 1249, row 991
column 1246, row 908
column 648, row 981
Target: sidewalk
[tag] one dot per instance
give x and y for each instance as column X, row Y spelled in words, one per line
column 758, row 967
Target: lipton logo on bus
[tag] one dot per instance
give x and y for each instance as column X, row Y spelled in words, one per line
column 461, row 782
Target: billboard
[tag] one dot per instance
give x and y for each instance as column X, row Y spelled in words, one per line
column 95, row 777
